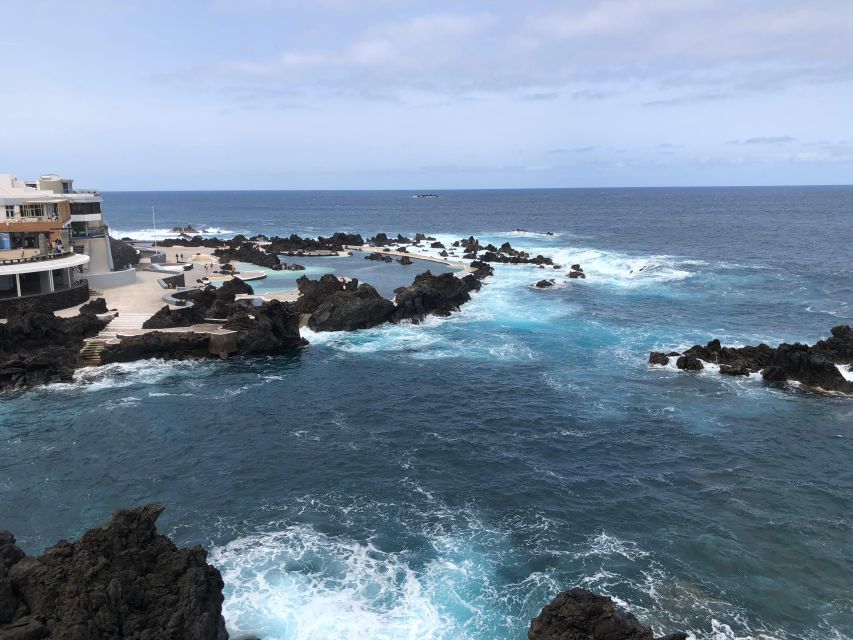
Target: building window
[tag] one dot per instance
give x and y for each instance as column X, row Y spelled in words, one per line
column 31, row 211
column 10, row 211
column 81, row 208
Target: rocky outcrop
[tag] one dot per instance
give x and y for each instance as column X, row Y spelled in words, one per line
column 158, row 344
column 379, row 257
column 247, row 252
column 122, row 580
column 576, row 272
column 656, row 357
column 295, row 245
column 800, row 363
column 94, row 307
column 689, row 363
column 579, row 614
column 405, row 260
column 195, row 241
column 351, row 310
column 202, row 303
column 544, row 284
column 271, row 328
column 433, row 295
column 123, row 254
column 37, row 347
column 811, row 366
column 505, row 253
column 312, row 293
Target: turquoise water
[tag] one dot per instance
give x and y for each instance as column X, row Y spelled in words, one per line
column 446, row 480
column 385, row 277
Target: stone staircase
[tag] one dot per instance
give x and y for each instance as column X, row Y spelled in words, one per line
column 90, row 354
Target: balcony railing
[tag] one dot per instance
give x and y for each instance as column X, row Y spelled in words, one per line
column 54, row 217
column 6, row 256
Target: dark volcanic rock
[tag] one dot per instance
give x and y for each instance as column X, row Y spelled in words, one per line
column 433, row 295
column 481, row 269
column 579, row 614
column 205, row 302
column 542, row 284
column 94, row 307
column 123, row 254
column 656, row 357
column 577, row 274
column 812, row 366
column 167, row 318
column 157, row 344
column 270, row 328
column 122, row 580
column 378, row 257
column 37, row 347
column 247, row 252
column 734, row 370
column 351, row 310
column 689, row 363
column 405, row 260
column 800, row 363
column 436, row 245
column 312, row 293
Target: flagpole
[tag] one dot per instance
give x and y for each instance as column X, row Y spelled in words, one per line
column 154, row 223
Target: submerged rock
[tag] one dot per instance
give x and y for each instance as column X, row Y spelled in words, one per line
column 579, row 614
column 656, row 357
column 689, row 363
column 122, row 580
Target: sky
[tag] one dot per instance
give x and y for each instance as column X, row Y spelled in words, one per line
column 410, row 94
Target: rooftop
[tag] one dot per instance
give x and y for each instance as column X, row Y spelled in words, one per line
column 15, row 191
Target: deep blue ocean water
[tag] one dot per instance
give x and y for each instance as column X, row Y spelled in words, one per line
column 446, row 480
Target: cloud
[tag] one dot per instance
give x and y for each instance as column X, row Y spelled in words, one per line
column 699, row 50
column 765, row 140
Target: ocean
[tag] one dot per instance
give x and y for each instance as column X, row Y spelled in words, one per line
column 445, row 481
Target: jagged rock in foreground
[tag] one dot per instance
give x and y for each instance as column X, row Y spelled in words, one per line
column 579, row 614
column 37, row 347
column 122, row 580
column 811, row 366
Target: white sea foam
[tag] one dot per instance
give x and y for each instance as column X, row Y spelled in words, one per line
column 844, row 370
column 299, row 583
column 149, row 235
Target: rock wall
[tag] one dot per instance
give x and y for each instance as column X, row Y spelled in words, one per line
column 63, row 299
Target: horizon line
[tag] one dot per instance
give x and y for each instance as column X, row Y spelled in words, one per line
column 423, row 191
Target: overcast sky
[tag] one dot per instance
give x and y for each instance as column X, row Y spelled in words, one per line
column 325, row 94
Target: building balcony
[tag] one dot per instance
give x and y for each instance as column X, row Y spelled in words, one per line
column 14, row 256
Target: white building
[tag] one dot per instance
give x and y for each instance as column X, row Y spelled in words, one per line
column 53, row 241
